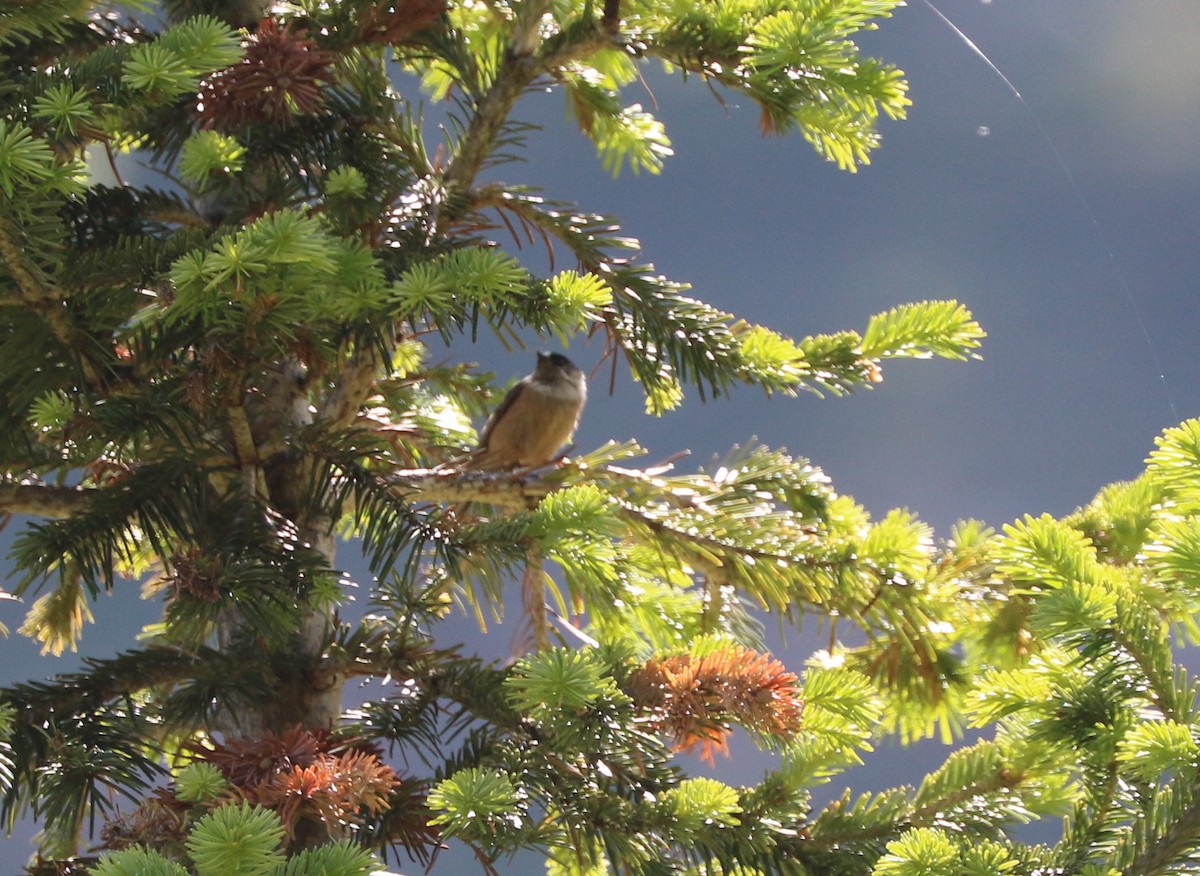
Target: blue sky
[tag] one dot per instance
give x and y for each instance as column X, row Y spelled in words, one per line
column 1068, row 223
column 1065, row 223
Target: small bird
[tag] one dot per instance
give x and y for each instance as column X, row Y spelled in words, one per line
column 535, row 419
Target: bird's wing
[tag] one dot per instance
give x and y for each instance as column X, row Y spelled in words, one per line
column 506, row 403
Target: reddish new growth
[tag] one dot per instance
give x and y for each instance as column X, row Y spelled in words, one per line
column 304, row 775
column 695, row 699
column 394, row 21
column 194, row 575
column 160, row 822
column 280, row 77
column 333, row 790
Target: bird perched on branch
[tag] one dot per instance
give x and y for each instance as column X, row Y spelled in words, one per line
column 535, row 419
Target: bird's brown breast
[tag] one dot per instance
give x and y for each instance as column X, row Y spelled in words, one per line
column 537, row 423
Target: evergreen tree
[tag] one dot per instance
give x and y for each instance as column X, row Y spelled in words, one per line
column 210, row 384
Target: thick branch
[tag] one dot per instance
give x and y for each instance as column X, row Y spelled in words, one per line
column 520, row 68
column 612, row 16
column 40, row 500
column 515, row 76
column 245, row 449
column 450, row 487
column 351, row 389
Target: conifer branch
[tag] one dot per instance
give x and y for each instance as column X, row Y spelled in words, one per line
column 32, row 290
column 849, row 833
column 281, row 340
column 42, row 500
column 515, row 75
column 691, row 535
column 41, row 299
column 1001, row 780
column 715, row 557
column 448, row 486
column 105, row 680
column 1166, row 851
column 521, row 66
